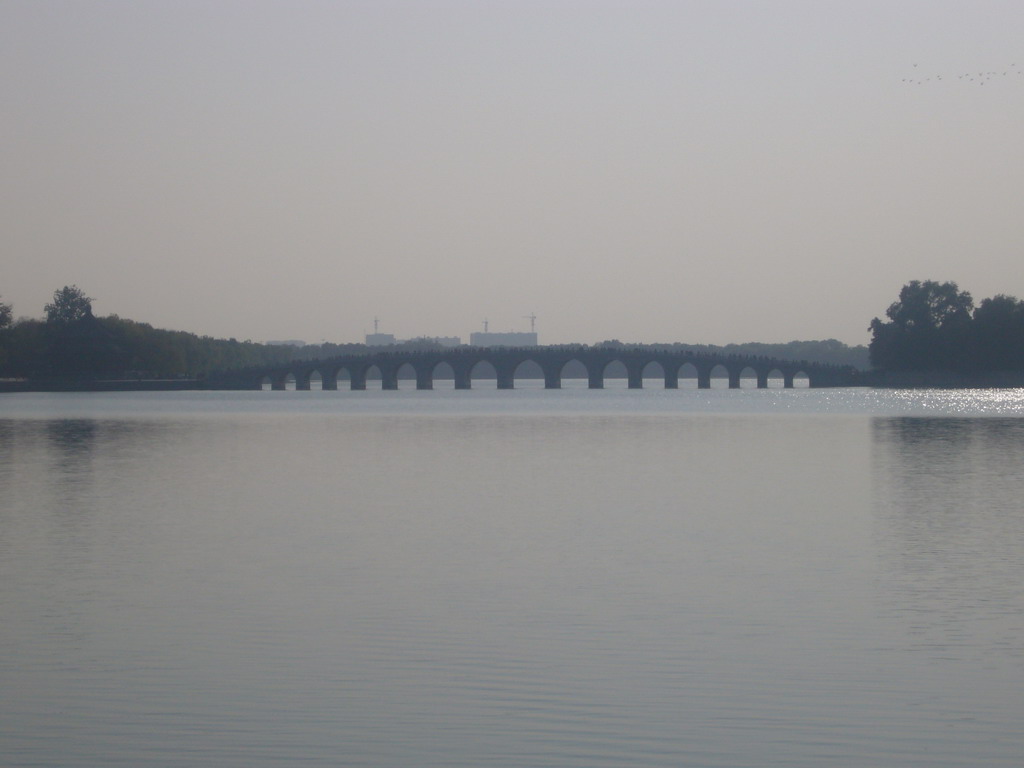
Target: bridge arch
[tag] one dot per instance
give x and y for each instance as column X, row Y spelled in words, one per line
column 612, row 368
column 529, row 372
column 336, row 375
column 406, row 375
column 372, row 377
column 688, row 375
column 483, row 370
column 721, row 376
column 572, row 369
column 652, row 372
column 440, row 370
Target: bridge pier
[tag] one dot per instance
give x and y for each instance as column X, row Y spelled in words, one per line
column 703, row 379
column 552, row 380
column 762, row 380
column 635, row 377
column 506, row 380
column 734, row 379
column 671, row 378
column 595, row 380
column 787, row 380
column 424, row 380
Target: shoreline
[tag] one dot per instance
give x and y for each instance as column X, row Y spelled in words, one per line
column 941, row 380
column 114, row 385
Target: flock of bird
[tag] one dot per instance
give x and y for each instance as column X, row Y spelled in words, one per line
column 980, row 78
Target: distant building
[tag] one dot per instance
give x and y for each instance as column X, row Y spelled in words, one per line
column 380, row 339
column 509, row 339
column 441, row 341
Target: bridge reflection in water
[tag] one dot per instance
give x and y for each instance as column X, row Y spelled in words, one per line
column 551, row 363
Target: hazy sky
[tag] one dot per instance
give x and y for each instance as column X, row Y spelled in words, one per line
column 706, row 172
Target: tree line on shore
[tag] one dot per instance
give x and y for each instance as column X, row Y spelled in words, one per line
column 935, row 327
column 72, row 343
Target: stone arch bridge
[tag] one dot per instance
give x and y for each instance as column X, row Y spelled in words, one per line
column 466, row 363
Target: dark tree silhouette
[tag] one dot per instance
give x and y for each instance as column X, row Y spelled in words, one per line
column 930, row 305
column 69, row 305
column 6, row 315
column 932, row 328
column 926, row 330
column 997, row 337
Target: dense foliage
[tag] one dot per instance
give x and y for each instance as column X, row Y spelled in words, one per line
column 71, row 342
column 115, row 347
column 936, row 327
column 69, row 305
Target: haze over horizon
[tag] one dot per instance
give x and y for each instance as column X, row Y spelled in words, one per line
column 645, row 171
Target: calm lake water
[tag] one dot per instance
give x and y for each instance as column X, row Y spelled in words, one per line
column 518, row 578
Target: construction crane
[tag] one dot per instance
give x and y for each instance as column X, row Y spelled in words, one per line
column 532, row 317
